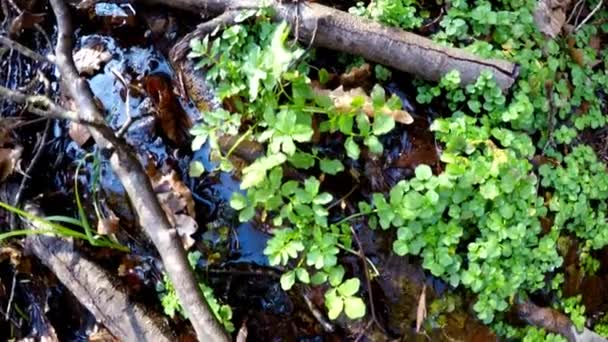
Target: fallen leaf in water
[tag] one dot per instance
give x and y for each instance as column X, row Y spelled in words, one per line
column 421, row 310
column 9, row 157
column 177, row 202
column 170, row 183
column 171, row 118
column 108, row 225
column 89, row 59
column 550, row 16
column 343, row 99
column 186, row 226
column 79, row 133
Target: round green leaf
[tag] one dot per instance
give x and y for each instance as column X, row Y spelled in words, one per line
column 196, row 169
column 423, row 172
column 349, row 287
column 354, row 307
column 287, row 280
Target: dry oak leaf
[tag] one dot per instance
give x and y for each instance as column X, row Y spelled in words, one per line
column 9, row 157
column 90, row 58
column 79, row 133
column 343, row 99
column 550, row 16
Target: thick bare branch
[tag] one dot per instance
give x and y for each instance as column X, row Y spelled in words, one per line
column 95, row 288
column 137, row 185
column 330, row 28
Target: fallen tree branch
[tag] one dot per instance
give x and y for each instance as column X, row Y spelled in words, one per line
column 555, row 322
column 137, row 185
column 95, row 289
column 43, row 106
column 24, row 50
column 338, row 30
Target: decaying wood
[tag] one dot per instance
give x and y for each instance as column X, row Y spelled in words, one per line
column 137, row 185
column 333, row 29
column 555, row 322
column 95, row 289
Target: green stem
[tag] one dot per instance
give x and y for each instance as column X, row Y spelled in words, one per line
column 352, row 251
column 354, row 216
column 240, row 140
column 308, row 109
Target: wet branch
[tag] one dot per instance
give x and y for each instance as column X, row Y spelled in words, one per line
column 137, row 185
column 555, row 322
column 24, row 50
column 95, row 288
column 327, row 27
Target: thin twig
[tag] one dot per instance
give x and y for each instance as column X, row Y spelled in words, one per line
column 574, row 9
column 11, row 298
column 43, row 106
column 318, row 315
column 24, row 50
column 597, row 7
column 30, row 168
column 129, row 121
column 367, row 280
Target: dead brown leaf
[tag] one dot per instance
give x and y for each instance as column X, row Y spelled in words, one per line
column 171, row 118
column 421, row 310
column 550, row 16
column 177, row 202
column 9, row 157
column 343, row 99
column 89, row 59
column 108, row 225
column 79, row 133
column 186, row 226
column 357, row 77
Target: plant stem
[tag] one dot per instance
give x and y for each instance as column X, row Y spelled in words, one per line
column 354, row 216
column 240, row 140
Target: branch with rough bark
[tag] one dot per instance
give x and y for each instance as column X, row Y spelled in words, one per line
column 95, row 289
column 327, row 27
column 138, row 187
column 555, row 322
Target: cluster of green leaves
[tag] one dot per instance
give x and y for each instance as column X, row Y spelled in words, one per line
column 172, row 306
column 601, row 327
column 555, row 97
column 572, row 306
column 478, row 222
column 527, row 334
column 579, row 190
column 278, row 104
column 486, row 201
column 397, row 13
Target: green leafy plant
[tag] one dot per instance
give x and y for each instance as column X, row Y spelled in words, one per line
column 342, row 298
column 52, row 224
column 573, row 307
column 398, row 13
column 172, row 306
column 475, row 221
